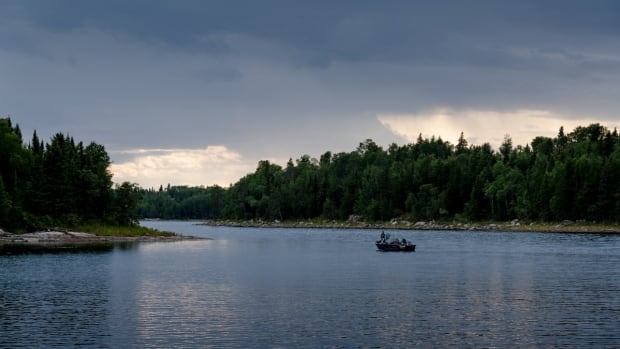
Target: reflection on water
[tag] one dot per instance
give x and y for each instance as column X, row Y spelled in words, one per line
column 251, row 288
column 24, row 248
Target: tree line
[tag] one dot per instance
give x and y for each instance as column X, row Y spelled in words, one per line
column 60, row 183
column 571, row 176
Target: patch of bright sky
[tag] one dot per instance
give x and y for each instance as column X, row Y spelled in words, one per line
column 151, row 168
column 483, row 126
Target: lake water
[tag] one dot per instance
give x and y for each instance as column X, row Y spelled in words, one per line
column 323, row 288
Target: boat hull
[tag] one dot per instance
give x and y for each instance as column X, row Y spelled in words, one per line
column 390, row 247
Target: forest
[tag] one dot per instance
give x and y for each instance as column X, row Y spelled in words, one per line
column 58, row 184
column 573, row 176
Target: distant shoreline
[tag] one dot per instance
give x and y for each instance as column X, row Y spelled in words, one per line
column 513, row 226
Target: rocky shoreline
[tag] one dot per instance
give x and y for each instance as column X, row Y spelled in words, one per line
column 70, row 239
column 514, row 225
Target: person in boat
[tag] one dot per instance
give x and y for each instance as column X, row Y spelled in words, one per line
column 382, row 236
column 404, row 242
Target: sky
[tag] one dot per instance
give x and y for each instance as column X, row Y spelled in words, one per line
column 196, row 92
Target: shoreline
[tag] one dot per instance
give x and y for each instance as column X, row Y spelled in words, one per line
column 69, row 239
column 512, row 226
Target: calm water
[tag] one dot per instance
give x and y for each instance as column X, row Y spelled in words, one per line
column 285, row 288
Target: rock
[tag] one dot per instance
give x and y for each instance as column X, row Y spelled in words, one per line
column 354, row 218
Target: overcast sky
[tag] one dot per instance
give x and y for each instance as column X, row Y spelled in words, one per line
column 196, row 92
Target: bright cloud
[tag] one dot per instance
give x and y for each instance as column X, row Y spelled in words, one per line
column 481, row 126
column 151, row 168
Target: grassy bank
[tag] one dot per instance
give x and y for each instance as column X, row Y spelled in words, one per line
column 122, row 231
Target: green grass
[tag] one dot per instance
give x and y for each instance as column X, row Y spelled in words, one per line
column 132, row 231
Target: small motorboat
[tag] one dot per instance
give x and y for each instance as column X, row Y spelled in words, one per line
column 394, row 245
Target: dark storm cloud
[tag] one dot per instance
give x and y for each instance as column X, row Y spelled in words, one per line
column 425, row 31
column 182, row 24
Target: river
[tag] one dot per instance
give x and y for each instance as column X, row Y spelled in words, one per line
column 317, row 288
